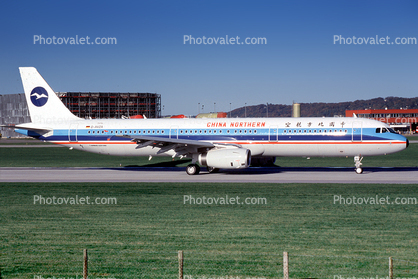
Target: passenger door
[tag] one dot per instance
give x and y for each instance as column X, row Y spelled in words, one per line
column 357, row 131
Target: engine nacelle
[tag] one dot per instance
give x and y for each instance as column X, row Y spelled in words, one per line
column 228, row 158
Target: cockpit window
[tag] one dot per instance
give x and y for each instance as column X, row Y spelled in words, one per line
column 385, row 130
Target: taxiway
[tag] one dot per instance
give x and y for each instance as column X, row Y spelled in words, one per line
column 403, row 175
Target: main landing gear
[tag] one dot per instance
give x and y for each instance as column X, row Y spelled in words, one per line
column 193, row 169
column 358, row 163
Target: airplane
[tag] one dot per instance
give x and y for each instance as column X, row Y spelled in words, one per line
column 222, row 143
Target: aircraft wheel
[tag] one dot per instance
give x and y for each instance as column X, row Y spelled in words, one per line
column 359, row 170
column 212, row 169
column 192, row 169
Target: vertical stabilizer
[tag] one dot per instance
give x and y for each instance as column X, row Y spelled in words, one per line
column 44, row 105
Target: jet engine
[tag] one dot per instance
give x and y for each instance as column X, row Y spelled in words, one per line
column 228, row 158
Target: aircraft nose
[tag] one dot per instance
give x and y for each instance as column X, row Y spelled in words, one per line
column 407, row 143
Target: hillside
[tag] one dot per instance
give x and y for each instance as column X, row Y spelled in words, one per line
column 326, row 109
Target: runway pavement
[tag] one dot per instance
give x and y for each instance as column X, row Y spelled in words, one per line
column 251, row 175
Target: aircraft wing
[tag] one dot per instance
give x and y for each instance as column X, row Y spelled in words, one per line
column 180, row 146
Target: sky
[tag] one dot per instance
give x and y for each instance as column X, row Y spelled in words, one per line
column 298, row 58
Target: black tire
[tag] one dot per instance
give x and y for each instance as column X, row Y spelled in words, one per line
column 192, row 169
column 359, row 170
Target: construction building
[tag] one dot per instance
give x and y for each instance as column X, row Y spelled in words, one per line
column 112, row 105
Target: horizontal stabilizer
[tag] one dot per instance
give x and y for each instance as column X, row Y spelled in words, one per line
column 43, row 131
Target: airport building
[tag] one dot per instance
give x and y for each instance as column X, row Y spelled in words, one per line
column 402, row 120
column 14, row 110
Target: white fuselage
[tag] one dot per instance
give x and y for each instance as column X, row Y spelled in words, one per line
column 336, row 136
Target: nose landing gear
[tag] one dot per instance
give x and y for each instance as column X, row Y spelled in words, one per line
column 358, row 163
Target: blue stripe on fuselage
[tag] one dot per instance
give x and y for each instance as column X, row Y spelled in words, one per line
column 368, row 134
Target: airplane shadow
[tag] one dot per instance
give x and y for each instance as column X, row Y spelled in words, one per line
column 271, row 170
column 171, row 166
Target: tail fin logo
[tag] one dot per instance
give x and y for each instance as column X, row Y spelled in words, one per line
column 39, row 96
